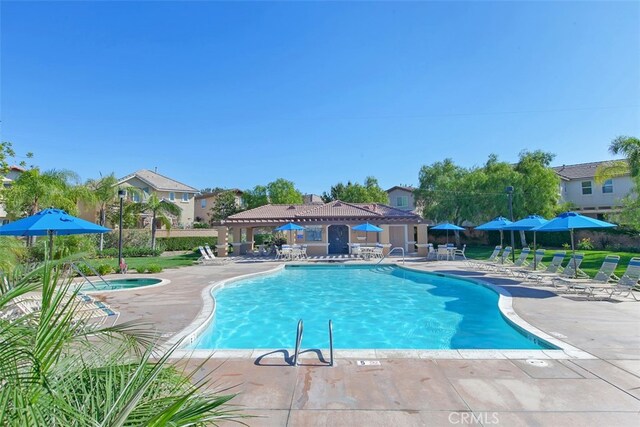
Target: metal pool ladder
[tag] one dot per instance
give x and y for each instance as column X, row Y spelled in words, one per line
column 389, row 253
column 299, row 333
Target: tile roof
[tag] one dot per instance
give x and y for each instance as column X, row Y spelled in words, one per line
column 237, row 192
column 402, row 187
column 324, row 212
column 580, row 170
column 159, row 182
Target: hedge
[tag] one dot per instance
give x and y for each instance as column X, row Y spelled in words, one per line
column 185, row 243
column 130, row 252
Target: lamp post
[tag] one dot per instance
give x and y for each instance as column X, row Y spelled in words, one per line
column 509, row 191
column 121, row 195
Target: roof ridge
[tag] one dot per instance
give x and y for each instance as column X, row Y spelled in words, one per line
column 588, row 163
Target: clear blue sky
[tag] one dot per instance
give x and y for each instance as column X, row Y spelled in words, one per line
column 239, row 94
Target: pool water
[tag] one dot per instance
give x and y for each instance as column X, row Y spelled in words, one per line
column 113, row 284
column 383, row 307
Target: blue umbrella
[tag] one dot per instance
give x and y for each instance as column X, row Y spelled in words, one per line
column 528, row 223
column 291, row 227
column 366, row 227
column 49, row 222
column 447, row 226
column 497, row 223
column 569, row 221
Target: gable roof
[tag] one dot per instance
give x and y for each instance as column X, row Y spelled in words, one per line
column 401, row 187
column 327, row 212
column 581, row 170
column 158, row 182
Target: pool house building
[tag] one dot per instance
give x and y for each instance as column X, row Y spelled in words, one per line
column 327, row 227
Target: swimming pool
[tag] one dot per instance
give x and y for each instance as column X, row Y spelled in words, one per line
column 119, row 284
column 371, row 308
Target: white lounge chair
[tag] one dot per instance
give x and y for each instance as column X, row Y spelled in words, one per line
column 520, row 262
column 475, row 263
column 570, row 271
column 208, row 258
column 554, row 267
column 628, row 281
column 601, row 281
column 503, row 260
column 86, row 309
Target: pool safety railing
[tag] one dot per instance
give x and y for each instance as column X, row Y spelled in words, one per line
column 296, row 352
column 299, row 333
column 78, row 270
column 389, row 253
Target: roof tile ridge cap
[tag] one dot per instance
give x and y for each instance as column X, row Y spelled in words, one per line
column 361, row 206
column 170, row 179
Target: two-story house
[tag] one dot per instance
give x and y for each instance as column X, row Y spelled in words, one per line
column 204, row 202
column 149, row 182
column 579, row 187
column 401, row 197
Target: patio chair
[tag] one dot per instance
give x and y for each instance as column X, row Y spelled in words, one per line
column 503, row 259
column 431, row 252
column 554, row 267
column 520, row 262
column 460, row 252
column 601, row 281
column 356, row 249
column 570, row 271
column 86, row 308
column 628, row 281
column 527, row 267
column 474, row 263
column 443, row 252
column 208, row 258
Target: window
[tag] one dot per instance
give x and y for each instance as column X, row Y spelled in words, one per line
column 203, row 203
column 185, row 197
column 136, row 197
column 586, row 187
column 314, row 233
column 172, row 196
column 607, row 187
column 402, row 201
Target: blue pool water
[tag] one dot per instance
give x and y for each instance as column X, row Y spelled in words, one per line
column 112, row 284
column 384, row 307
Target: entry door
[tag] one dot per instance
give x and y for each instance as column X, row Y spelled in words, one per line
column 397, row 236
column 338, row 239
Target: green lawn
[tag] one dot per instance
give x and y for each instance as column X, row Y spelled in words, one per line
column 163, row 261
column 590, row 265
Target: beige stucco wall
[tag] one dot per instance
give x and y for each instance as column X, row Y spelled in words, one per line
column 571, row 191
column 187, row 207
column 205, row 212
column 394, row 194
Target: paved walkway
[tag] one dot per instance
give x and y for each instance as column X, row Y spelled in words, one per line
column 604, row 391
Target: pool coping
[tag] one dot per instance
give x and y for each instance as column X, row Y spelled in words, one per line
column 162, row 282
column 505, row 304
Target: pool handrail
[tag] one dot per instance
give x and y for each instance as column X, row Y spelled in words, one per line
column 389, row 253
column 296, row 351
column 330, row 342
column 93, row 270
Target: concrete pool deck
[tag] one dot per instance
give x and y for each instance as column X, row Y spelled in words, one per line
column 508, row 389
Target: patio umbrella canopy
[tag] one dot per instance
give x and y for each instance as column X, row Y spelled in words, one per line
column 49, row 222
column 290, row 227
column 447, row 226
column 569, row 221
column 496, row 224
column 366, row 227
column 528, row 224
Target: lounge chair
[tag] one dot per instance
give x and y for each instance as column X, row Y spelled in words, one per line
column 628, row 281
column 208, row 258
column 570, row 271
column 474, row 263
column 553, row 268
column 520, row 262
column 503, row 260
column 601, row 281
column 86, row 309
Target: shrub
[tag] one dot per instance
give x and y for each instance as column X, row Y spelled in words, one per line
column 85, row 269
column 141, row 269
column 200, row 225
column 154, row 268
column 566, row 246
column 103, row 269
column 185, row 243
column 130, row 252
column 585, row 244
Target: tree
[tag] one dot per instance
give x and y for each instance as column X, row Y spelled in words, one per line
column 629, row 147
column 105, row 193
column 159, row 209
column 256, row 197
column 440, row 184
column 283, row 192
column 370, row 192
column 224, row 205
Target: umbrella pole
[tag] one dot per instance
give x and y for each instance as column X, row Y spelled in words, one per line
column 573, row 251
column 50, row 233
column 535, row 267
column 501, row 239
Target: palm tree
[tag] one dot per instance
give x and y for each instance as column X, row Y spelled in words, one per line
column 105, row 193
column 59, row 368
column 159, row 209
column 628, row 146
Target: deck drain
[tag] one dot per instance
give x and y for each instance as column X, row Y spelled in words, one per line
column 537, row 362
column 368, row 363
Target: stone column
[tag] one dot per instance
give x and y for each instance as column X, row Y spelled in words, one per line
column 236, row 235
column 250, row 239
column 422, row 239
column 384, row 238
column 223, row 241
